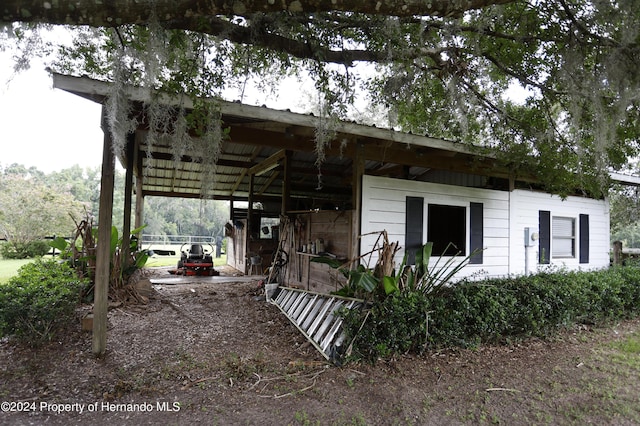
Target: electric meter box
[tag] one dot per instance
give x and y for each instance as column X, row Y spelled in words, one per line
column 530, row 237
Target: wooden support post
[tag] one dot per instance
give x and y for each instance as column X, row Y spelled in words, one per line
column 356, row 199
column 128, row 191
column 139, row 203
column 286, row 184
column 103, row 251
column 617, row 253
column 248, row 227
column 139, row 214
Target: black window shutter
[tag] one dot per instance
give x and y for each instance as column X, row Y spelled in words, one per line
column 584, row 238
column 544, row 230
column 476, row 223
column 414, row 223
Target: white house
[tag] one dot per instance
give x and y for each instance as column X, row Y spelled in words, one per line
column 415, row 187
column 518, row 231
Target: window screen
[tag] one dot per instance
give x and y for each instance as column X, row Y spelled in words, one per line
column 563, row 237
column 447, row 225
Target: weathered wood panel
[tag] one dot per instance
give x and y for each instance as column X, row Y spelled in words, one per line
column 334, row 228
column 236, row 246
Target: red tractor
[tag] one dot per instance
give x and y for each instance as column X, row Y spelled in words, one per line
column 196, row 261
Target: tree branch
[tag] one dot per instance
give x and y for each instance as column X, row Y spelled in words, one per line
column 600, row 39
column 520, row 77
column 121, row 12
column 262, row 38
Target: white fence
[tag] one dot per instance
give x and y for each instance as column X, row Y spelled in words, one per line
column 176, row 239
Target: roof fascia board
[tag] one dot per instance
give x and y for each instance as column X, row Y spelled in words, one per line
column 624, row 179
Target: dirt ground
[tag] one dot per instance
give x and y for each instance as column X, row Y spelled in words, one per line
column 209, row 352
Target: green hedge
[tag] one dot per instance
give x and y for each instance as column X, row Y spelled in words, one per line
column 496, row 310
column 27, row 250
column 39, row 301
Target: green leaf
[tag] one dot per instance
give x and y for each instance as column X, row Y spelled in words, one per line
column 138, row 229
column 114, row 239
column 59, row 243
column 363, row 279
column 422, row 258
column 390, row 285
column 141, row 259
column 411, row 279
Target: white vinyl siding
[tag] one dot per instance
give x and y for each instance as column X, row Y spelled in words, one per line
column 505, row 216
column 384, row 204
column 524, row 212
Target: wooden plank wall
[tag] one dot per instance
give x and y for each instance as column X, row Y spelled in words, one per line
column 236, row 256
column 236, row 246
column 334, row 228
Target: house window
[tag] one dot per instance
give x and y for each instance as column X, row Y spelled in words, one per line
column 563, row 234
column 447, row 230
column 269, row 228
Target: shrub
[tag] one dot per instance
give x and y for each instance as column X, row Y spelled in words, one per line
column 496, row 310
column 396, row 324
column 24, row 250
column 39, row 301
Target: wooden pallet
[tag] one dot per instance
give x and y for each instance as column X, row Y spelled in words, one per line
column 315, row 315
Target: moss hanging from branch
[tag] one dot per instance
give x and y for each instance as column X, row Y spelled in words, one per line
column 120, row 119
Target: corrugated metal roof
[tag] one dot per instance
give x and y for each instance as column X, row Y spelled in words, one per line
column 258, row 133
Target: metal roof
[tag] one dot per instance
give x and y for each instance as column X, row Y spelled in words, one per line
column 259, row 140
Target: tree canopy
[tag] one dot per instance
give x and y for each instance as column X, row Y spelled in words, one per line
column 444, row 68
column 31, row 210
column 34, row 204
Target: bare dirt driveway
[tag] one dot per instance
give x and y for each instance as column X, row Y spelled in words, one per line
column 210, row 353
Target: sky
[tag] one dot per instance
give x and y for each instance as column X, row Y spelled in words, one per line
column 45, row 127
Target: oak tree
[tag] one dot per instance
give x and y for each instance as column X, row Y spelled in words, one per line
column 444, row 68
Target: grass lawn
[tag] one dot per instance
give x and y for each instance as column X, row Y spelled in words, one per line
column 9, row 268
column 156, row 260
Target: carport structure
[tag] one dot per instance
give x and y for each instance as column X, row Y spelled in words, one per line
column 269, row 157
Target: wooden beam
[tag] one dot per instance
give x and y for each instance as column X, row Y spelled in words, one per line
column 248, row 227
column 238, row 182
column 103, row 251
column 189, row 159
column 267, row 164
column 386, row 151
column 394, row 169
column 139, row 203
column 299, row 191
column 269, row 181
column 254, row 154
